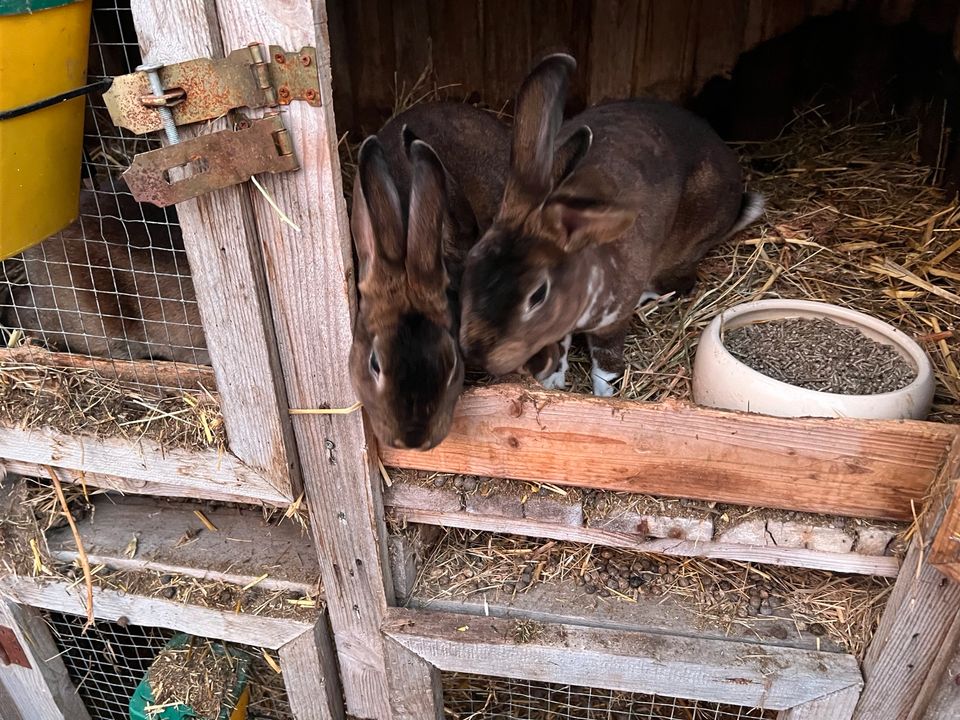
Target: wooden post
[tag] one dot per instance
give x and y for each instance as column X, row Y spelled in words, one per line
column 310, row 276
column 42, row 691
column 309, row 671
column 224, row 256
column 920, row 627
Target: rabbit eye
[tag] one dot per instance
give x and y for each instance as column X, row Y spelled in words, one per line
column 374, row 364
column 538, row 296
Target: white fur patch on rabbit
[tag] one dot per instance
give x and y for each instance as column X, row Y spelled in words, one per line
column 558, row 380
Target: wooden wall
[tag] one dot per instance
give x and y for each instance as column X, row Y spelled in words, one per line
column 668, row 48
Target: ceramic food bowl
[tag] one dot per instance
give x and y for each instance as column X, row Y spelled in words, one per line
column 722, row 381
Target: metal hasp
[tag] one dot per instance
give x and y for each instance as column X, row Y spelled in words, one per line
column 211, row 162
column 11, row 652
column 204, row 89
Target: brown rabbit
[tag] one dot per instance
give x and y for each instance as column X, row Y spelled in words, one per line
column 598, row 216
column 414, row 219
column 123, row 293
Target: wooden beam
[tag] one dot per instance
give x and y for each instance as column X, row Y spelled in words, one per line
column 415, row 682
column 860, row 468
column 43, row 691
column 241, row 628
column 199, row 472
column 224, row 256
column 674, row 665
column 945, row 549
column 241, row 550
column 792, row 557
column 173, row 375
column 945, row 696
column 835, row 706
column 134, row 486
column 309, row 664
column 922, row 618
column 310, row 278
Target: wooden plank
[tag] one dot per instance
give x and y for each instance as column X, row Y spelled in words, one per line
column 224, row 257
column 310, row 276
column 131, row 486
column 43, row 691
column 458, row 54
column 309, row 666
column 945, row 549
column 792, row 557
column 371, row 59
column 860, row 468
column 719, row 38
column 674, row 665
column 835, row 706
column 241, row 628
column 8, row 711
column 506, row 48
column 945, row 700
column 569, row 604
column 243, row 547
column 663, row 61
column 198, row 472
column 177, row 376
column 416, row 684
column 922, row 614
column 613, row 24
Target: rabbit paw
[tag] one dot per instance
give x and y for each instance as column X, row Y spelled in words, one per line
column 603, row 381
column 557, row 380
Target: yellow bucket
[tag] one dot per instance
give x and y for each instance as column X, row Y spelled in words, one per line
column 43, row 53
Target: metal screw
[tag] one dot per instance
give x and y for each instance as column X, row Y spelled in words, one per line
column 285, row 92
column 310, row 94
column 280, row 58
column 305, row 60
column 166, row 116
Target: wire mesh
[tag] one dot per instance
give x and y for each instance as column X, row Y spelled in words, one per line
column 116, row 284
column 107, row 662
column 472, row 697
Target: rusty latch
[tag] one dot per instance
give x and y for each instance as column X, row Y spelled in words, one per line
column 204, row 89
column 11, row 652
column 210, row 162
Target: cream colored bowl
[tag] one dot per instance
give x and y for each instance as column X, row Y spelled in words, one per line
column 722, row 381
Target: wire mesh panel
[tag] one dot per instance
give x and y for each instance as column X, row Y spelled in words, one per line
column 107, row 662
column 116, row 283
column 472, row 697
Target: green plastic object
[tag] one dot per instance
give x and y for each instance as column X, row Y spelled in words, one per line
column 143, row 696
column 17, row 7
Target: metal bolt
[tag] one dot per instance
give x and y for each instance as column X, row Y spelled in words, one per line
column 280, row 58
column 166, row 116
column 305, row 60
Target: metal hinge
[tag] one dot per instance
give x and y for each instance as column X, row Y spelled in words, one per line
column 166, row 97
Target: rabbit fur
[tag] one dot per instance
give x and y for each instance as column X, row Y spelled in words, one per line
column 109, row 288
column 599, row 215
column 427, row 185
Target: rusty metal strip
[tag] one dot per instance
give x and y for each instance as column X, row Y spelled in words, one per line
column 212, row 162
column 204, row 89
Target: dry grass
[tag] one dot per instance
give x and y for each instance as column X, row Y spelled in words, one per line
column 852, row 219
column 201, row 676
column 81, row 401
column 843, row 609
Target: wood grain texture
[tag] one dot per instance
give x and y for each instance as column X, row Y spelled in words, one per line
column 843, row 467
column 199, row 473
column 673, row 665
column 134, row 486
column 790, row 557
column 923, row 613
column 613, row 43
column 719, row 38
column 664, row 60
column 8, row 711
column 945, row 701
column 241, row 628
column 221, row 246
column 310, row 277
column 243, row 547
column 415, row 683
column 835, row 706
column 309, row 664
column 506, row 46
column 945, row 548
column 43, row 691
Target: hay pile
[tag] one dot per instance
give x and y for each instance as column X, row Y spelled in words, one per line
column 843, row 609
column 196, row 676
column 81, row 401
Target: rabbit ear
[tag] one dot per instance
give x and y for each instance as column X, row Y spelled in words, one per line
column 428, row 203
column 586, row 210
column 539, row 114
column 570, row 153
column 377, row 222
